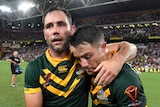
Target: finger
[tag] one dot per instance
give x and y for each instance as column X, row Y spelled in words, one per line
column 104, row 80
column 109, row 79
column 101, row 81
column 98, row 68
column 98, row 77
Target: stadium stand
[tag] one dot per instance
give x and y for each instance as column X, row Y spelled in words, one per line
column 139, row 27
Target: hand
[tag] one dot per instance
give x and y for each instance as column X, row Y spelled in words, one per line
column 107, row 71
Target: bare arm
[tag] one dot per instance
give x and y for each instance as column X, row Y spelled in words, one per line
column 12, row 61
column 110, row 68
column 34, row 100
column 125, row 51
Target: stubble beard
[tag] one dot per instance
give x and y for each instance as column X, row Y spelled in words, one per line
column 60, row 49
column 63, row 48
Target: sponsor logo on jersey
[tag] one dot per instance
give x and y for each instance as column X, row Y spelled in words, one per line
column 47, row 80
column 80, row 72
column 102, row 97
column 101, row 94
column 63, row 69
column 132, row 93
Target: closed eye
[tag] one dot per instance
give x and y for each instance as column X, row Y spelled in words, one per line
column 87, row 56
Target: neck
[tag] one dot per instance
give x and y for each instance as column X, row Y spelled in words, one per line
column 56, row 55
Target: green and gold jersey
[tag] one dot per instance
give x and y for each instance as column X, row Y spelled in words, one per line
column 125, row 91
column 62, row 82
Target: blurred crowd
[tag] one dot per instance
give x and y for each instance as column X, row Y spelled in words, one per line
column 133, row 25
column 147, row 59
column 29, row 53
column 121, row 18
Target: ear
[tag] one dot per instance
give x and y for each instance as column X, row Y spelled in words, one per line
column 103, row 46
column 73, row 29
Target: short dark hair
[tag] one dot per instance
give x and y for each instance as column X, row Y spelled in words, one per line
column 51, row 9
column 89, row 34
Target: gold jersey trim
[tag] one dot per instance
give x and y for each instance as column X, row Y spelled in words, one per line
column 58, row 80
column 62, row 82
column 32, row 90
column 55, row 61
column 60, row 92
column 96, row 89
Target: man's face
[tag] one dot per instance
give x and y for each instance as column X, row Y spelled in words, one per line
column 57, row 31
column 89, row 56
column 15, row 53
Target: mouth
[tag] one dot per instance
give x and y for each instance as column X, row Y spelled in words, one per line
column 89, row 69
column 90, row 72
column 57, row 40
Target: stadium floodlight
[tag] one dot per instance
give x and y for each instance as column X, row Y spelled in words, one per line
column 5, row 9
column 26, row 6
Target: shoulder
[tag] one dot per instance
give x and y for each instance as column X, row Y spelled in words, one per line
column 37, row 62
column 127, row 77
column 33, row 69
column 127, row 70
column 11, row 57
column 128, row 87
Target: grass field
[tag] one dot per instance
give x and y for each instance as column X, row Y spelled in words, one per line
column 14, row 97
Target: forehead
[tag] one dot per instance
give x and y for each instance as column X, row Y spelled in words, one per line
column 15, row 52
column 81, row 49
column 56, row 16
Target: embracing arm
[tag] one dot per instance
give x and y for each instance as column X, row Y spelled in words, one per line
column 125, row 51
column 110, row 68
column 34, row 100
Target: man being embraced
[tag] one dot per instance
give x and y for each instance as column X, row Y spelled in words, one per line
column 126, row 90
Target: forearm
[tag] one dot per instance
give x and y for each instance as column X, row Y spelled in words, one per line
column 12, row 61
column 109, row 69
column 125, row 52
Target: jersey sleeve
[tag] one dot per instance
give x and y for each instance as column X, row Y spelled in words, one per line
column 31, row 79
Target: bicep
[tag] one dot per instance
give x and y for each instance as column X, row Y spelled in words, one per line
column 123, row 44
column 114, row 46
column 34, row 100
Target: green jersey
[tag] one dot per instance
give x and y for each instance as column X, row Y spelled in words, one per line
column 62, row 82
column 125, row 91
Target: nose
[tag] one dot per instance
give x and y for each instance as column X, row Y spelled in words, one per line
column 83, row 62
column 55, row 29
